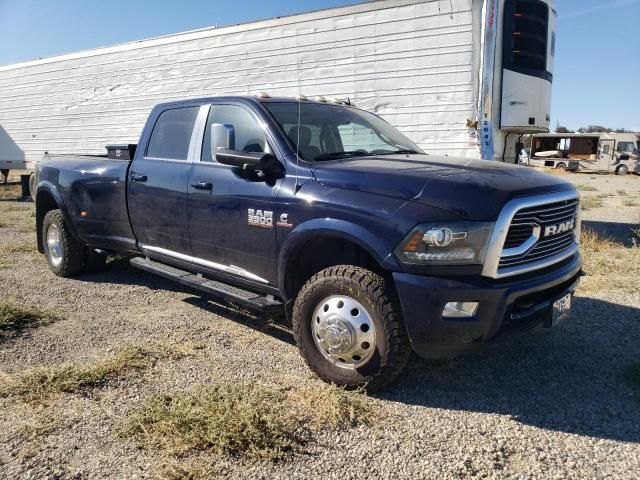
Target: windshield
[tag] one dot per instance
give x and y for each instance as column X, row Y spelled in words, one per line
column 329, row 132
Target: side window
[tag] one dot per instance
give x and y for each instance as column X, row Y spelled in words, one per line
column 172, row 133
column 248, row 135
column 606, row 149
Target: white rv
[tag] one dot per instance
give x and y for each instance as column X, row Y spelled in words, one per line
column 459, row 77
column 602, row 152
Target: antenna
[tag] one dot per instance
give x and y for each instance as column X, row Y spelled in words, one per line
column 297, row 186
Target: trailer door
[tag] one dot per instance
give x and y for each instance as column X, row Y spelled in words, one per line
column 605, row 153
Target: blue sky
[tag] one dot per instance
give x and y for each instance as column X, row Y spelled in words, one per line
column 597, row 67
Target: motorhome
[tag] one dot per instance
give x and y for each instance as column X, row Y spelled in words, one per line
column 459, row 77
column 602, row 152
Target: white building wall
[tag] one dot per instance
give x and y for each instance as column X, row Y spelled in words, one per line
column 413, row 62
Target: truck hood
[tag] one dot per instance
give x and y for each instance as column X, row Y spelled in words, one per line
column 472, row 189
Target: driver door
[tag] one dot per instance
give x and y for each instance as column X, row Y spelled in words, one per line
column 224, row 202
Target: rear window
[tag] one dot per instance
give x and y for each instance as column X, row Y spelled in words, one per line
column 172, row 133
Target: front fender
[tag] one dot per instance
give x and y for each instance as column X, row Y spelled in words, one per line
column 369, row 241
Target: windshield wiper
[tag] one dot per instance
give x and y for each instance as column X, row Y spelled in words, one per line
column 402, row 150
column 337, row 155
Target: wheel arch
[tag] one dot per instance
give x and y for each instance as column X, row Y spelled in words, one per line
column 47, row 199
column 323, row 243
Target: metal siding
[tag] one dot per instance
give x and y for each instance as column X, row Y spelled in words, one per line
column 411, row 62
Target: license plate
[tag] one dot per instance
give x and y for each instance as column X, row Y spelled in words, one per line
column 560, row 310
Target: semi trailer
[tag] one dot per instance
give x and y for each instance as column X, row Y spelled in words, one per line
column 460, row 77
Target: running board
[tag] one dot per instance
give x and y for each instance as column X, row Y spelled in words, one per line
column 218, row 290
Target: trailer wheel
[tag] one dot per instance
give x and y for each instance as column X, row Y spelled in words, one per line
column 349, row 329
column 561, row 166
column 622, row 170
column 66, row 256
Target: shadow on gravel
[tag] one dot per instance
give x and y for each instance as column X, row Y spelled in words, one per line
column 618, row 232
column 568, row 379
column 119, row 272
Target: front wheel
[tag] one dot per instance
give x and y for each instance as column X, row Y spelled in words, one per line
column 349, row 329
column 561, row 166
column 622, row 170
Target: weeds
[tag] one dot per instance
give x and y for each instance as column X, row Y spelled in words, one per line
column 243, row 420
column 586, row 188
column 41, row 382
column 14, row 319
column 591, row 202
column 629, row 202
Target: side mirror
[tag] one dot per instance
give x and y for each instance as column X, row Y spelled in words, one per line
column 222, row 136
column 266, row 163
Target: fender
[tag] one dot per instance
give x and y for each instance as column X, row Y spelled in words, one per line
column 51, row 189
column 371, row 242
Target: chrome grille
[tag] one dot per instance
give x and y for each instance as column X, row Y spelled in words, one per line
column 522, row 227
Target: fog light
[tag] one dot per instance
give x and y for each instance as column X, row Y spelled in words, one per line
column 460, row 309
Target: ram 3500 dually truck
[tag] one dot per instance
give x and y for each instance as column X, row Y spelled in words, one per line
column 325, row 212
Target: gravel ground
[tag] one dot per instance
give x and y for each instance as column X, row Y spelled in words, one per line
column 550, row 404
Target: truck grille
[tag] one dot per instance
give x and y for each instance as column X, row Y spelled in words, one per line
column 552, row 226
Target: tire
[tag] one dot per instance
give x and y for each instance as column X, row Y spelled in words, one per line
column 561, row 166
column 622, row 170
column 381, row 351
column 66, row 256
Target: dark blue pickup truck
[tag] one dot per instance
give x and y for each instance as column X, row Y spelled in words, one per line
column 324, row 212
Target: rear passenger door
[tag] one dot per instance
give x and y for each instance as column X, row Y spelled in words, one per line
column 158, row 182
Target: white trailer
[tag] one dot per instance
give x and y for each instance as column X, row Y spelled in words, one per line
column 459, row 77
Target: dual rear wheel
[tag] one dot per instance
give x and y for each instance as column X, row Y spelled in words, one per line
column 66, row 256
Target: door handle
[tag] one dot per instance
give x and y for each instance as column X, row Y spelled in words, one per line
column 202, row 185
column 138, row 177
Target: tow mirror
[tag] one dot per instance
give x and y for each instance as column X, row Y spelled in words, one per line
column 222, row 136
column 266, row 163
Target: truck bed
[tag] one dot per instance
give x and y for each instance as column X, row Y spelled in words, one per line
column 94, row 190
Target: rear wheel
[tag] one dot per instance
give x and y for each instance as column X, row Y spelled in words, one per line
column 349, row 329
column 622, row 170
column 561, row 166
column 66, row 256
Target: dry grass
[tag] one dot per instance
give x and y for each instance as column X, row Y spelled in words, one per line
column 38, row 383
column 10, row 192
column 621, row 192
column 586, row 188
column 18, row 248
column 609, row 265
column 14, row 319
column 249, row 421
column 629, row 202
column 588, row 203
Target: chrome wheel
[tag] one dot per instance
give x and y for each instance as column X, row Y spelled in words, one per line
column 54, row 244
column 343, row 331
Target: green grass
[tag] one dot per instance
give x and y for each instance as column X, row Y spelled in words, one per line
column 14, row 319
column 249, row 421
column 38, row 383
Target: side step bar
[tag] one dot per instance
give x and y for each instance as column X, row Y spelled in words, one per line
column 218, row 290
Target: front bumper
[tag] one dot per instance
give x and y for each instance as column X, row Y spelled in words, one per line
column 506, row 307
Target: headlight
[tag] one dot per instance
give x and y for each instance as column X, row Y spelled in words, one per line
column 461, row 243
